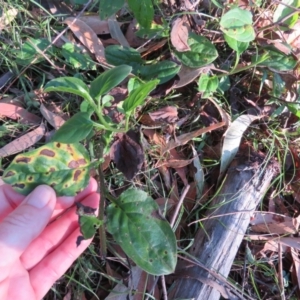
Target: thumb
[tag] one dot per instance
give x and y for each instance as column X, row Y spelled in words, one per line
column 25, row 223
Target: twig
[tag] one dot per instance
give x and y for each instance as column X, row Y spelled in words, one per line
column 102, row 234
column 280, row 274
column 186, row 189
column 164, row 288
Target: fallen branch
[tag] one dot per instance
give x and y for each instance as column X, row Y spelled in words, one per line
column 216, row 245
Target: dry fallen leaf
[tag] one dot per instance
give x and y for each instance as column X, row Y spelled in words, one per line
column 23, row 142
column 116, row 32
column 18, row 113
column 53, row 119
column 274, row 224
column 94, row 22
column 180, row 34
column 127, row 153
column 87, row 37
column 186, row 137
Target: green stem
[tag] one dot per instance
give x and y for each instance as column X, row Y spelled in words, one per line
column 103, row 251
column 99, row 114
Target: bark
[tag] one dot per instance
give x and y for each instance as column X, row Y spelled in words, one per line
column 216, row 245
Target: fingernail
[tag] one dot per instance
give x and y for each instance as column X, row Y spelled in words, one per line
column 40, row 196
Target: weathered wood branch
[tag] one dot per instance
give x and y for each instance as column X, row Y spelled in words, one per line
column 216, row 245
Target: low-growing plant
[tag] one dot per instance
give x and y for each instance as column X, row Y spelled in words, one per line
column 64, row 164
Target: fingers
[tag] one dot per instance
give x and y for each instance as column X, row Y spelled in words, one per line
column 10, row 199
column 56, row 264
column 55, row 234
column 23, row 225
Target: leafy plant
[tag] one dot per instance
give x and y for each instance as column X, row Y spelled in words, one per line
column 64, row 165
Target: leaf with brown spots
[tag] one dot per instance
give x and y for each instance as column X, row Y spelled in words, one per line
column 65, row 167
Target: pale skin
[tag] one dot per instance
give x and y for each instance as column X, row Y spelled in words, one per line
column 36, row 248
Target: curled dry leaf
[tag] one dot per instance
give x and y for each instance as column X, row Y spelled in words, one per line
column 18, row 113
column 127, row 153
column 232, row 139
column 116, row 33
column 23, row 142
column 87, row 37
column 180, row 34
column 53, row 119
column 187, row 75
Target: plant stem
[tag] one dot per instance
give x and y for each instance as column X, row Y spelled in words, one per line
column 99, row 114
column 102, row 234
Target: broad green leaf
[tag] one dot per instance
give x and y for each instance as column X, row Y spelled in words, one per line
column 278, row 61
column 64, row 167
column 133, row 83
column 143, row 11
column 237, row 24
column 202, row 52
column 232, row 139
column 156, row 31
column 138, row 96
column 69, row 85
column 107, row 8
column 108, row 80
column 74, row 57
column 294, row 108
column 207, row 85
column 28, row 52
column 88, row 220
column 234, row 44
column 75, row 129
column 143, row 233
column 283, row 10
column 163, row 70
column 118, row 55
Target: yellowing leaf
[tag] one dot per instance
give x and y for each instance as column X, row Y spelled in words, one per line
column 65, row 167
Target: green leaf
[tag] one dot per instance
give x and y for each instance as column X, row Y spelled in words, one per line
column 283, row 10
column 75, row 129
column 234, row 44
column 207, row 85
column 143, row 11
column 29, row 51
column 278, row 61
column 237, row 24
column 294, row 109
column 107, row 8
column 118, row 55
column 108, row 80
column 75, row 58
column 137, row 96
column 163, row 70
column 69, row 85
column 88, row 220
column 64, row 167
column 202, row 52
column 143, row 233
column 156, row 31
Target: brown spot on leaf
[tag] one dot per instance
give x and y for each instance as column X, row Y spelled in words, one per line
column 76, row 175
column 58, row 145
column 47, row 152
column 73, row 164
column 19, row 185
column 30, row 178
column 76, row 163
column 53, row 185
column 52, row 169
column 23, row 160
column 9, row 173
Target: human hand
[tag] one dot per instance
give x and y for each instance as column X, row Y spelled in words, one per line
column 33, row 255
